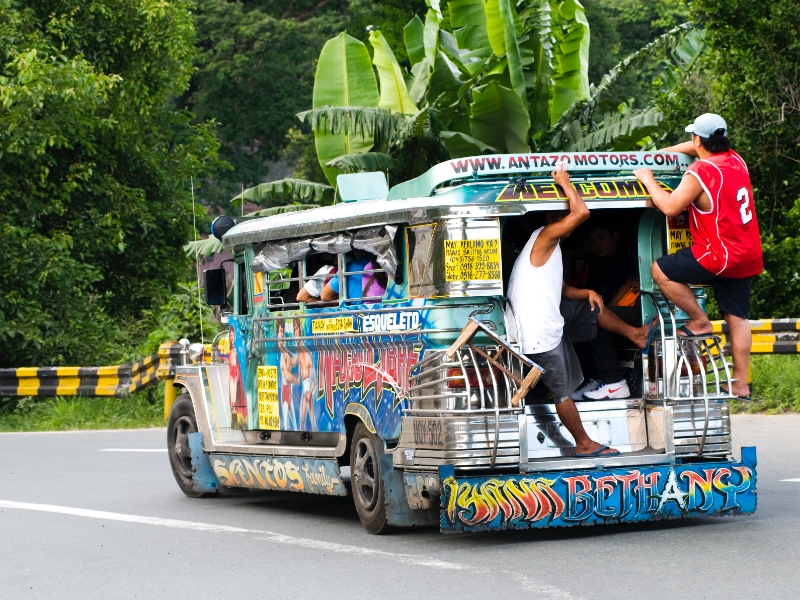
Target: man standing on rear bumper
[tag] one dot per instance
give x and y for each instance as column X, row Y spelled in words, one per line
column 726, row 244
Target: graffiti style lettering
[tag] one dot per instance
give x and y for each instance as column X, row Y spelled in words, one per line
column 290, row 474
column 588, row 190
column 561, row 499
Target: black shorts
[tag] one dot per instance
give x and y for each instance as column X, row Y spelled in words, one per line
column 733, row 295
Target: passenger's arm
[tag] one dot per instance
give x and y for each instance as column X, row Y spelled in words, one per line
column 670, row 203
column 685, row 148
column 304, row 296
column 573, row 293
column 328, row 294
column 549, row 236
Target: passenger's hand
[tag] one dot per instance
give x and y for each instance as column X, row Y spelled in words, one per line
column 596, row 301
column 561, row 177
column 644, row 175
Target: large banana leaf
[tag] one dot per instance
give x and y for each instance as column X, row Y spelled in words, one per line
column 205, row 247
column 394, row 95
column 468, row 20
column 344, row 78
column 495, row 28
column 571, row 57
column 366, row 161
column 414, row 38
column 442, row 81
column 508, row 18
column 537, row 26
column 419, row 146
column 499, row 119
column 285, row 191
column 460, row 144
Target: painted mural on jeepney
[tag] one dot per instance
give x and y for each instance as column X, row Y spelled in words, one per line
column 239, row 336
column 307, row 384
column 295, row 474
column 600, row 496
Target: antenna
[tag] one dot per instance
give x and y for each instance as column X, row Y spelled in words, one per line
column 197, row 266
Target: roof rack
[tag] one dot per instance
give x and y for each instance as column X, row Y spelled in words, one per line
column 494, row 165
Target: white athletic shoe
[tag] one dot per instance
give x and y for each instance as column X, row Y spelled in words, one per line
column 589, row 386
column 609, row 391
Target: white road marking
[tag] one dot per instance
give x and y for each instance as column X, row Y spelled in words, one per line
column 133, row 450
column 797, row 479
column 279, row 538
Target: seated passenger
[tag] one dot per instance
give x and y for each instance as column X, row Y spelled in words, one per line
column 312, row 290
column 365, row 285
column 612, row 273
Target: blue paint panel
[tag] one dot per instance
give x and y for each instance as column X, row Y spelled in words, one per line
column 619, row 495
column 203, row 478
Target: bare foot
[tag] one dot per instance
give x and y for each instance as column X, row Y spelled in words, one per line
column 741, row 390
column 642, row 333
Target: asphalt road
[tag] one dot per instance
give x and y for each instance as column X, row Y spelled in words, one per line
column 79, row 521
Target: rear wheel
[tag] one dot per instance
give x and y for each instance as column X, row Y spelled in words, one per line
column 365, row 479
column 181, row 423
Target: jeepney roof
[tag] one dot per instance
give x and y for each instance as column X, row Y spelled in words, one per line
column 491, row 185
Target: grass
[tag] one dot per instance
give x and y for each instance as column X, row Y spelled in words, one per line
column 62, row 413
column 776, row 384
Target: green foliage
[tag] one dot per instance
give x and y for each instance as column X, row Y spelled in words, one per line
column 776, row 384
column 94, row 166
column 179, row 317
column 144, row 409
column 750, row 77
column 255, row 70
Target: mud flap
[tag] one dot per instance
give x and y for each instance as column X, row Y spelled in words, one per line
column 398, row 512
column 613, row 495
column 203, row 478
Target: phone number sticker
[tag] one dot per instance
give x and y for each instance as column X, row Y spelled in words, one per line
column 268, row 404
column 469, row 260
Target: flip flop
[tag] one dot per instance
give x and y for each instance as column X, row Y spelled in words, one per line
column 599, row 453
column 651, row 329
column 689, row 333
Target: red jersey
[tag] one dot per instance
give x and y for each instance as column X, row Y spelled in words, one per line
column 725, row 240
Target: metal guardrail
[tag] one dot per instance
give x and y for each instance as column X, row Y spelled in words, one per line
column 117, row 381
column 770, row 336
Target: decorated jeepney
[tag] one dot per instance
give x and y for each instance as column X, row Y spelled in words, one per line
column 415, row 399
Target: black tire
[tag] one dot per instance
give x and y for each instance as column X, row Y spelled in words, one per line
column 365, row 479
column 181, row 423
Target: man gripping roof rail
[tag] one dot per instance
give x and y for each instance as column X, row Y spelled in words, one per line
column 548, row 324
column 726, row 245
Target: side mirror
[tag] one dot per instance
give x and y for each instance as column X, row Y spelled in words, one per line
column 216, row 290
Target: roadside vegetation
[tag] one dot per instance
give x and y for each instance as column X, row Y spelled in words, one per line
column 144, row 409
column 776, row 385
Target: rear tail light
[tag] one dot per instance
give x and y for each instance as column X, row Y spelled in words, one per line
column 455, row 377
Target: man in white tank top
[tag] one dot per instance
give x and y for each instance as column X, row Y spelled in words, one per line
column 535, row 291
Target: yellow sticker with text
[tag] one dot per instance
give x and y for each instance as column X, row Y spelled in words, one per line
column 469, row 260
column 268, row 403
column 334, row 325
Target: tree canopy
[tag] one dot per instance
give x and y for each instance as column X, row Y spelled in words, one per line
column 94, row 166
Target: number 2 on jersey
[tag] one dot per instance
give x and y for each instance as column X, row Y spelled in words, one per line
column 744, row 202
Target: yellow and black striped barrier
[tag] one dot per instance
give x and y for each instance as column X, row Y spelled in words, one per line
column 770, row 336
column 117, row 381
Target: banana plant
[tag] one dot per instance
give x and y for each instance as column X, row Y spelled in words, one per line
column 501, row 76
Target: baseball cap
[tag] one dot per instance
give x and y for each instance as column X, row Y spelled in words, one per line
column 705, row 125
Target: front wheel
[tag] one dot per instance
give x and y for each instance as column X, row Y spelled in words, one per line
column 365, row 478
column 181, row 423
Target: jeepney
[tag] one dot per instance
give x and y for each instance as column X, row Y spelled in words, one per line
column 383, row 397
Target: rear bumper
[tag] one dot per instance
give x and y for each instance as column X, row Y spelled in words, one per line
column 600, row 495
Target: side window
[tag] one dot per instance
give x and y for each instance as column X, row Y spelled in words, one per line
column 360, row 278
column 242, row 292
column 420, row 272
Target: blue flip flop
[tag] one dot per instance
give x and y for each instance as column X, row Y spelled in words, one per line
column 689, row 333
column 598, row 453
column 651, row 329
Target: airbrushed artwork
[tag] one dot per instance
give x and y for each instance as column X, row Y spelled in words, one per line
column 607, row 496
column 299, row 383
